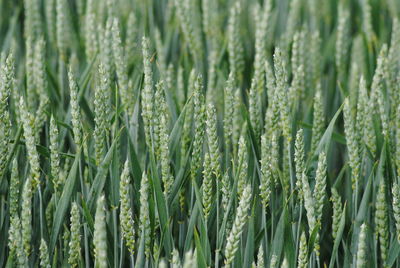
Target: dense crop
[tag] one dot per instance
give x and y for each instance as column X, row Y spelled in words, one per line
column 199, row 133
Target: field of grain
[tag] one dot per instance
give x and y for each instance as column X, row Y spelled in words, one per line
column 200, row 133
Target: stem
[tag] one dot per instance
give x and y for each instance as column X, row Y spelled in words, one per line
column 298, row 229
column 115, row 227
column 132, row 260
column 216, row 251
column 356, row 199
column 121, row 258
column 87, row 257
column 41, row 211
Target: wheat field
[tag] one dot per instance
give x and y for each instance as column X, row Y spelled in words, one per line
column 199, row 133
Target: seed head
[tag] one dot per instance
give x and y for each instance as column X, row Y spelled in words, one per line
column 362, row 247
column 100, row 234
column 233, row 240
column 44, row 254
column 126, row 214
column 75, row 242
column 302, row 260
column 144, row 213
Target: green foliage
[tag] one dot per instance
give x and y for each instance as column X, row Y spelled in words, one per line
column 185, row 133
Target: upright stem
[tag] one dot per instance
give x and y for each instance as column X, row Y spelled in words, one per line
column 41, row 211
column 87, row 252
column 298, row 229
column 216, row 251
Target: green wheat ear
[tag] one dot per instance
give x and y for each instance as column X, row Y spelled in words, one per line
column 337, row 212
column 199, row 118
column 100, row 109
column 382, row 221
column 282, row 94
column 377, row 88
column 207, row 185
column 233, row 239
column 5, row 123
column 76, row 118
column 342, row 40
column 302, row 259
column 147, row 92
column 235, row 47
column 33, row 157
column 62, row 28
column 309, row 202
column 260, row 257
column 54, row 154
column 242, row 164
column 299, row 161
column 26, row 217
column 14, row 189
column 318, row 119
column 320, row 186
column 44, row 254
column 254, row 108
column 229, row 98
column 15, row 242
column 362, row 247
column 274, row 261
column 144, row 218
column 75, row 242
column 100, row 234
column 107, row 61
column 396, row 207
column 189, row 259
column 91, row 41
column 352, row 143
column 167, row 177
column 126, row 214
column 121, row 68
column 266, row 182
column 212, row 138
